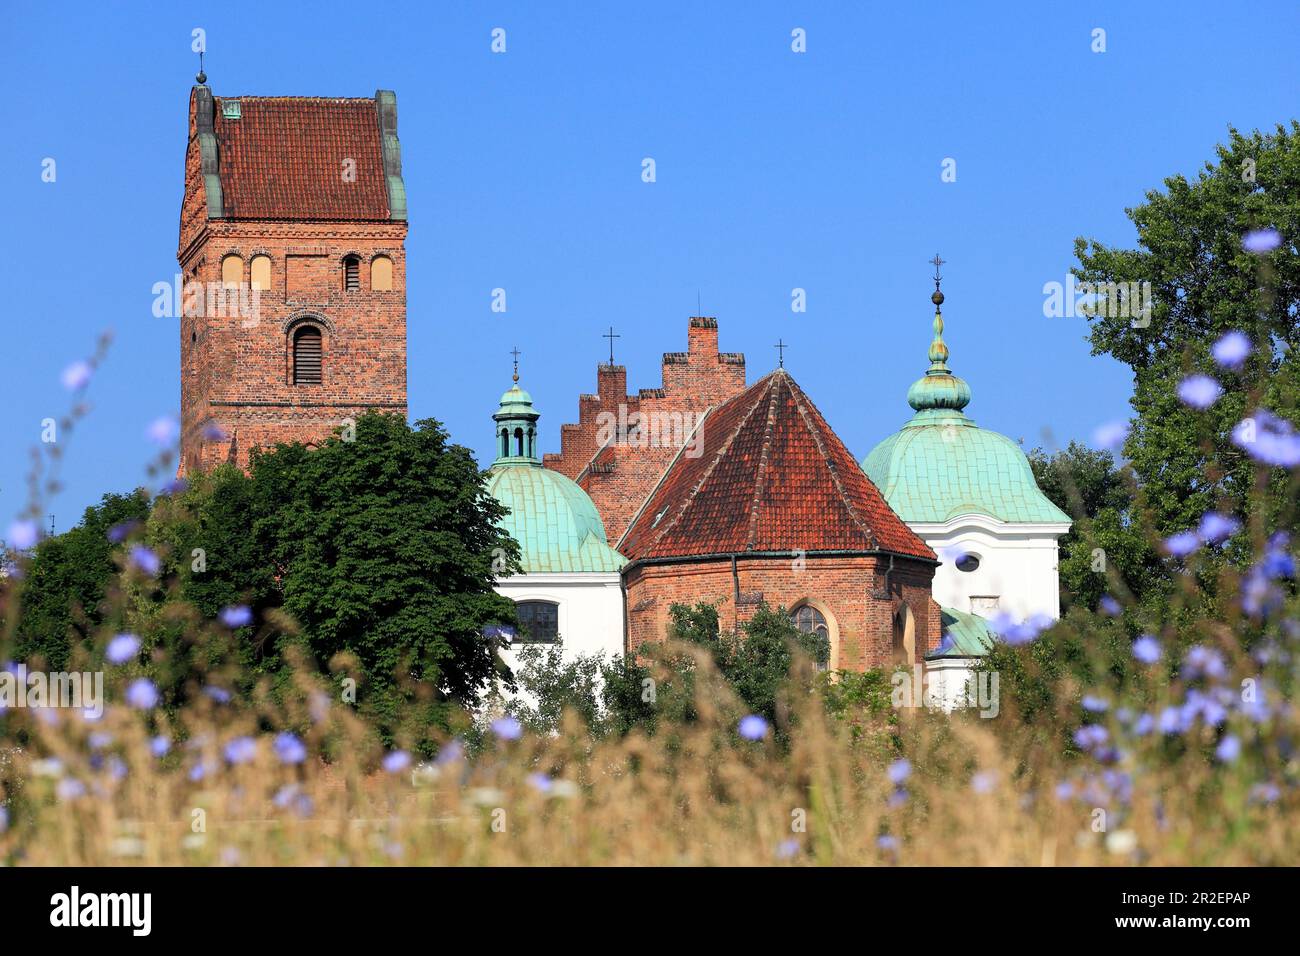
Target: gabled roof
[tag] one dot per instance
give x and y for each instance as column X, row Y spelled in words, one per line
column 304, row 158
column 770, row 476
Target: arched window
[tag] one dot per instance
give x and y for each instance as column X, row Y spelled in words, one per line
column 904, row 637
column 812, row 621
column 381, row 274
column 539, row 622
column 307, row 356
column 232, row 270
column 351, row 274
column 519, row 443
column 260, row 273
column 532, row 443
column 505, row 443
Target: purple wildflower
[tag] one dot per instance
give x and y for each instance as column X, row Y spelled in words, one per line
column 218, row 694
column 163, row 431
column 76, row 376
column 241, row 750
column 1144, row 725
column 1202, row 661
column 289, row 748
column 753, row 727
column 142, row 694
column 887, row 842
column 1260, row 241
column 899, row 771
column 122, row 530
column 1229, row 749
column 1199, row 391
column 1268, row 439
column 144, row 560
column 540, row 782
column 1182, row 544
column 1109, row 606
column 787, row 849
column 396, row 761
column 507, row 728
column 1146, row 649
column 122, row 648
column 1094, row 704
column 1111, row 436
column 1232, row 350
column 159, row 746
column 70, row 788
column 22, row 535
column 1216, row 527
column 984, row 781
column 235, row 616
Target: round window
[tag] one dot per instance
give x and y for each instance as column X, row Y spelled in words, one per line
column 968, row 562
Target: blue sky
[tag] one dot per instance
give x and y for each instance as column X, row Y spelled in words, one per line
column 775, row 170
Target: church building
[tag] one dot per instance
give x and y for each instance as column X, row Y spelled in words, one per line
column 703, row 488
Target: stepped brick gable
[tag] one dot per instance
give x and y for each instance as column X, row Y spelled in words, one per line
column 776, row 509
column 621, row 443
column 293, row 270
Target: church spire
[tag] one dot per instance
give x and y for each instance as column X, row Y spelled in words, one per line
column 516, row 425
column 938, row 390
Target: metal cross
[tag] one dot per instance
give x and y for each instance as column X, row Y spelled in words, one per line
column 515, row 352
column 611, row 336
column 780, row 351
column 937, row 263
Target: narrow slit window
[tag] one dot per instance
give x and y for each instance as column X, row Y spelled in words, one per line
column 307, row 356
column 352, row 274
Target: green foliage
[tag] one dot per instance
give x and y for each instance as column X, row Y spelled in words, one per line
column 1108, row 548
column 1203, row 285
column 68, row 577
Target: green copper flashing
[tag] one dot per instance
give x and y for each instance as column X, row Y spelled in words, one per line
column 940, row 464
column 386, row 111
column 555, row 522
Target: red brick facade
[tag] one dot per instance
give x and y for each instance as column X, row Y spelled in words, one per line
column 302, row 182
column 775, row 509
column 620, row 474
column 860, row 597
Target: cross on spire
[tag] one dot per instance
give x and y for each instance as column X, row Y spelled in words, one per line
column 780, row 352
column 937, row 274
column 611, row 336
column 515, row 352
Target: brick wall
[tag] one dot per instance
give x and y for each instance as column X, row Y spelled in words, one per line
column 848, row 589
column 621, row 477
column 236, row 369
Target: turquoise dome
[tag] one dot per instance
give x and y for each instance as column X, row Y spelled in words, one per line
column 941, row 464
column 555, row 522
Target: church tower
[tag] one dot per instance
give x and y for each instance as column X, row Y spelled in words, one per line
column 292, row 270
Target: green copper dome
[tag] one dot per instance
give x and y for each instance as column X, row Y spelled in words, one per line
column 555, row 522
column 941, row 464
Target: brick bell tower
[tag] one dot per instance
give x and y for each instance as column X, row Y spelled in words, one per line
column 292, row 270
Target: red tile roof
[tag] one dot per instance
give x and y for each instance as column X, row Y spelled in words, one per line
column 772, row 476
column 284, row 158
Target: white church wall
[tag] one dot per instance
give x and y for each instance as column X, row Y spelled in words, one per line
column 1018, row 569
column 589, row 612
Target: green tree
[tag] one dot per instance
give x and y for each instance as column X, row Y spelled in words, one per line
column 383, row 549
column 1205, row 284
column 68, row 578
column 1108, row 547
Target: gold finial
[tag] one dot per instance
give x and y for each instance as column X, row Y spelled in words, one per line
column 515, row 352
column 937, row 298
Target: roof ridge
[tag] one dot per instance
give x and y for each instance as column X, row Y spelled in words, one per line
column 764, row 457
column 863, row 526
column 708, row 472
